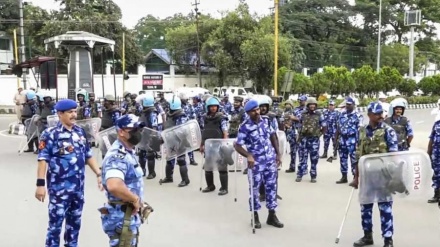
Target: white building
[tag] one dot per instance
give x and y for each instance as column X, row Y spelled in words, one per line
column 6, row 52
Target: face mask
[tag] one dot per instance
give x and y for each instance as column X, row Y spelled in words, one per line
column 47, row 102
column 135, row 137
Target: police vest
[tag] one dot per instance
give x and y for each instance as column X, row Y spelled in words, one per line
column 132, row 108
column 310, row 124
column 235, row 122
column 27, row 111
column 374, row 144
column 400, row 128
column 212, row 129
column 46, row 111
column 94, row 110
column 172, row 117
column 146, row 116
column 107, row 118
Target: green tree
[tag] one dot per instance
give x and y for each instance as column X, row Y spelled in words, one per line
column 301, row 84
column 366, row 79
column 340, row 80
column 428, row 85
column 407, row 87
column 389, row 78
column 321, row 84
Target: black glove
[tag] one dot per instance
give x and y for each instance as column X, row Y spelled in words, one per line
column 393, row 173
column 226, row 152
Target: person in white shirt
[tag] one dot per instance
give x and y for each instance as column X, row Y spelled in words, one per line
column 382, row 100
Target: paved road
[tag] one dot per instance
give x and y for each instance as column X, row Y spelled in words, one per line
column 185, row 217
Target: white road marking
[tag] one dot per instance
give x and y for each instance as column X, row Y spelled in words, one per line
column 420, row 122
column 4, row 133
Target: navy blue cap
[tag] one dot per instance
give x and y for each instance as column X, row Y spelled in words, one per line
column 251, row 105
column 349, row 101
column 65, row 105
column 375, row 108
column 302, row 98
column 129, row 121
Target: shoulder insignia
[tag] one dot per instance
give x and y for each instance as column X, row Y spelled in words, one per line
column 119, row 156
column 42, row 144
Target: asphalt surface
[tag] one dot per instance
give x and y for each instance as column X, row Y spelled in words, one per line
column 312, row 213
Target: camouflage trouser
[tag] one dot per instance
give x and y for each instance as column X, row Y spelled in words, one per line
column 435, row 164
column 386, row 218
column 69, row 208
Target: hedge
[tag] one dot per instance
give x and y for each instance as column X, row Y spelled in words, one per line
column 322, row 102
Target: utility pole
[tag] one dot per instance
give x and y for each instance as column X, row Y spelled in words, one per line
column 22, row 44
column 275, row 69
column 199, row 67
column 379, row 34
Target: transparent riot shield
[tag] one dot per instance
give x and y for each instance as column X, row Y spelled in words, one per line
column 91, row 127
column 182, row 139
column 33, row 127
column 150, row 141
column 52, row 120
column 282, row 142
column 406, row 174
column 106, row 139
column 219, row 154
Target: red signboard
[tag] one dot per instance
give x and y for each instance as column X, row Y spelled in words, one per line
column 152, row 82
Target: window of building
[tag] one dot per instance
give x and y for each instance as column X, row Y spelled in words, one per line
column 5, row 44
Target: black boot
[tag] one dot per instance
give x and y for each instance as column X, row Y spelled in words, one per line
column 388, row 242
column 324, row 155
column 224, row 183
column 272, row 220
column 245, row 171
column 366, row 240
column 30, row 147
column 209, row 176
column 436, row 197
column 184, row 175
column 257, row 223
column 343, row 180
column 151, row 172
column 193, row 163
column 168, row 174
column 36, row 145
column 290, row 170
column 142, row 163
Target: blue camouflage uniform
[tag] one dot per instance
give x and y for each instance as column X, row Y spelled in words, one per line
column 435, row 156
column 226, row 105
column 92, row 111
column 291, row 135
column 199, row 110
column 160, row 112
column 385, row 208
column 150, row 118
column 66, row 153
column 120, row 162
column 348, row 125
column 189, row 111
column 309, row 145
column 331, row 118
column 256, row 138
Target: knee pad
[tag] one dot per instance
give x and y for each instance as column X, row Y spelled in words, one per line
column 150, row 155
column 223, row 172
column 181, row 162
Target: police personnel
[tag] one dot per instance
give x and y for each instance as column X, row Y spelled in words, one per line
column 263, row 156
column 313, row 126
column 401, row 125
column 122, row 180
column 216, row 127
column 434, row 153
column 375, row 137
column 149, row 116
column 64, row 152
column 110, row 112
column 347, row 135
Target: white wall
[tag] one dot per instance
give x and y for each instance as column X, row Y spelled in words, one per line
column 8, row 84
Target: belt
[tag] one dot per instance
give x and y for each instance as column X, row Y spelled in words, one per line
column 124, row 206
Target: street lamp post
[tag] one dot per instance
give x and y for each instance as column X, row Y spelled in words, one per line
column 412, row 19
column 379, row 34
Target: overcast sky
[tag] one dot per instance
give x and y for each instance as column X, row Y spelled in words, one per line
column 133, row 10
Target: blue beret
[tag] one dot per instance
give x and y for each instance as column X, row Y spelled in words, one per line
column 129, row 121
column 375, row 108
column 251, row 105
column 65, row 105
column 349, row 100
